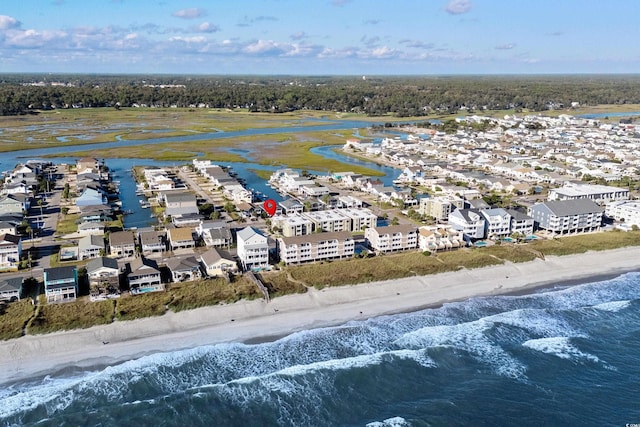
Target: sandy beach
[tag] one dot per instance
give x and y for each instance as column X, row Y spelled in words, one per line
column 251, row 321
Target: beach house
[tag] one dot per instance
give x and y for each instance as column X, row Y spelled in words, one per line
column 10, row 288
column 184, row 268
column 103, row 272
column 122, row 244
column 144, row 276
column 216, row 263
column 61, row 284
column 469, row 221
column 91, row 246
column 10, row 252
column 253, row 249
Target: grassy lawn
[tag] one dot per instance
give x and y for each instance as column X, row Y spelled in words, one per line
column 67, row 224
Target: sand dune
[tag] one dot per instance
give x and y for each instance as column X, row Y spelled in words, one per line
column 244, row 321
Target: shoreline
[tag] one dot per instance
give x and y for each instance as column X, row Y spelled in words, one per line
column 253, row 322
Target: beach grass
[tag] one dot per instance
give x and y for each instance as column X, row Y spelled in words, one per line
column 202, row 293
column 129, row 307
column 587, row 242
column 78, row 314
column 278, row 284
column 14, row 317
column 512, row 253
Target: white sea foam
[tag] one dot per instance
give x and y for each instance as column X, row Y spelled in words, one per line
column 470, row 337
column 560, row 347
column 390, row 422
column 613, row 306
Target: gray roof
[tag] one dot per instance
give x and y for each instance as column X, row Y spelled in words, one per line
column 572, row 207
column 91, row 241
column 179, row 197
column 100, row 262
column 465, row 214
column 150, row 238
column 247, row 232
column 138, row 265
column 118, row 238
column 10, row 284
column 57, row 273
column 518, row 216
column 181, row 264
column 10, row 238
column 213, row 255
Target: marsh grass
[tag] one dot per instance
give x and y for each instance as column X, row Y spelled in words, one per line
column 13, row 318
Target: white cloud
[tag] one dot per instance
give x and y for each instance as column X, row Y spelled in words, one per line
column 8, row 22
column 33, row 38
column 189, row 13
column 298, row 36
column 207, row 27
column 195, row 39
column 416, row 44
column 457, row 7
column 505, row 46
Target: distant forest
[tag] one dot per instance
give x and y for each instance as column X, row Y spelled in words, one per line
column 373, row 96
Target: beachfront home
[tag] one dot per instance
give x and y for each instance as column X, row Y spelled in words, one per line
column 61, row 284
column 316, row 247
column 439, row 238
column 122, row 244
column 521, row 223
column 91, row 246
column 253, row 249
column 10, row 288
column 144, row 276
column 184, row 269
column 624, row 211
column 497, row 223
column 567, row 216
column 469, row 221
column 180, row 238
column 392, row 238
column 216, row 263
column 103, row 272
column 10, row 252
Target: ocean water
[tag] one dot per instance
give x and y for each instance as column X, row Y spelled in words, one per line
column 563, row 356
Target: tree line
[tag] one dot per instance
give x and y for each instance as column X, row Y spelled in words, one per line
column 374, row 96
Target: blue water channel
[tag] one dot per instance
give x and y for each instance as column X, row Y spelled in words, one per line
column 121, row 167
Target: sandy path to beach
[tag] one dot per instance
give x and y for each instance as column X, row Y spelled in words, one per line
column 31, row 356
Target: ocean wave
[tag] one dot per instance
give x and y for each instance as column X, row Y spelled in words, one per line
column 560, row 347
column 613, row 306
column 389, row 422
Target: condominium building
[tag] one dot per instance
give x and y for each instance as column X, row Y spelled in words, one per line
column 316, row 247
column 567, row 216
column 392, row 238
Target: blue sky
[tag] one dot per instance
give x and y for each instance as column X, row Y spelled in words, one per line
column 311, row 37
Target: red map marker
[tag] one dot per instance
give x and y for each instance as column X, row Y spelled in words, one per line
column 270, row 206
